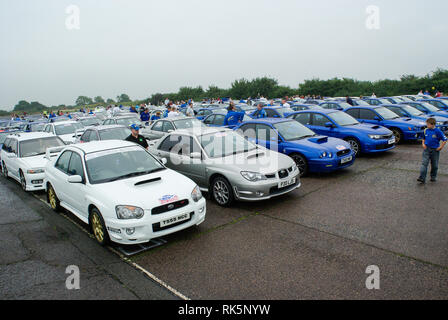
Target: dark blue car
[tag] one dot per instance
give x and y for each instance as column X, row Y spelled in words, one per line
column 335, row 105
column 403, row 128
column 407, row 111
column 274, row 112
column 363, row 138
column 310, row 151
column 216, row 119
column 427, row 108
column 438, row 103
column 376, row 101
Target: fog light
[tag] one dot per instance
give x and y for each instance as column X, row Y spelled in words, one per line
column 37, row 181
column 260, row 194
column 130, row 231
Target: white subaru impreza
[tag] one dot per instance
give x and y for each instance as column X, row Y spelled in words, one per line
column 123, row 192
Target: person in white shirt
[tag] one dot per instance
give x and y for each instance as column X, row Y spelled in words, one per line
column 167, row 101
column 173, row 113
column 190, row 112
column 285, row 104
column 373, row 95
column 116, row 110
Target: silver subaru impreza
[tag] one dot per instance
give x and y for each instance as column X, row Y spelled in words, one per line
column 228, row 166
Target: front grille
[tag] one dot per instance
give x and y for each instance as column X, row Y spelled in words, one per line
column 156, row 226
column 383, row 146
column 343, row 152
column 386, row 136
column 270, row 176
column 283, row 173
column 170, row 206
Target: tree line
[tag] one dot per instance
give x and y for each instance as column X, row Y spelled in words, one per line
column 269, row 88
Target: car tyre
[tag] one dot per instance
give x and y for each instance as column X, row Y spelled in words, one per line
column 52, row 199
column 22, row 180
column 222, row 192
column 301, row 163
column 98, row 227
column 398, row 135
column 354, row 145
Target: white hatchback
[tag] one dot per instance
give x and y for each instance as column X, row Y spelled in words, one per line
column 123, row 192
column 23, row 157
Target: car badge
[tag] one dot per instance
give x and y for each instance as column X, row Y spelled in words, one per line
column 170, row 206
column 168, row 198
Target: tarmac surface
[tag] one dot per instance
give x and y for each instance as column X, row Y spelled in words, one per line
column 314, row 243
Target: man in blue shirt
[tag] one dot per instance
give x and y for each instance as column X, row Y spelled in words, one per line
column 156, row 116
column 165, row 113
column 145, row 115
column 233, row 117
column 261, row 112
column 431, row 149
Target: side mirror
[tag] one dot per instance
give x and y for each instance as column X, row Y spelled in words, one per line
column 169, row 131
column 74, row 179
column 328, row 125
column 376, row 118
column 164, row 160
column 195, row 155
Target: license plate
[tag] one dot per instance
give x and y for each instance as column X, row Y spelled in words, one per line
column 286, row 183
column 346, row 159
column 173, row 220
column 391, row 141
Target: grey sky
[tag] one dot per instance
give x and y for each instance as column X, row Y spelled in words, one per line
column 141, row 47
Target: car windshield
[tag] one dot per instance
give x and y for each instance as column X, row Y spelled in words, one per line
column 384, row 101
column 344, row 105
column 342, row 118
column 282, row 111
column 386, row 113
column 67, row 128
column 120, row 133
column 361, row 103
column 121, row 163
column 430, row 107
column 34, row 147
column 412, row 111
column 90, row 122
column 127, row 121
column 224, row 143
column 188, row 123
column 37, row 127
column 3, row 137
column 293, row 130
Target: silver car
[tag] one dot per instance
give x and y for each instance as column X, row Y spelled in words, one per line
column 164, row 126
column 226, row 165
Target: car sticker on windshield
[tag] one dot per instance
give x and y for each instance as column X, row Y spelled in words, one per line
column 94, row 155
column 340, row 147
column 168, row 198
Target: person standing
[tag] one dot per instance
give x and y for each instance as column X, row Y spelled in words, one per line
column 431, row 150
column 145, row 115
column 261, row 112
column 349, row 100
column 189, row 112
column 136, row 137
column 233, row 117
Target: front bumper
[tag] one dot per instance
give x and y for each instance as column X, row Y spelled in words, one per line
column 380, row 145
column 149, row 228
column 34, row 182
column 265, row 189
column 329, row 165
column 412, row 135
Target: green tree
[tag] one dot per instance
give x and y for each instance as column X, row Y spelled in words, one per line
column 98, row 99
column 123, row 98
column 83, row 100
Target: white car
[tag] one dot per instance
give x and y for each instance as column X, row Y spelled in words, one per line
column 23, row 157
column 123, row 192
column 66, row 130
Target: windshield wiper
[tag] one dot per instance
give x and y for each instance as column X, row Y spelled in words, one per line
column 133, row 174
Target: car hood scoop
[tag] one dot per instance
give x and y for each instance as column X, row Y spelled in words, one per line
column 319, row 139
column 407, row 119
column 255, row 155
column 376, row 127
column 138, row 183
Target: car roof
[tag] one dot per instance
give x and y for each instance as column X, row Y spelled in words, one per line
column 62, row 122
column 103, row 145
column 22, row 136
column 198, row 131
column 269, row 120
column 105, row 127
column 326, row 111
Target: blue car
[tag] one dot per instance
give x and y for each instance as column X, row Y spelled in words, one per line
column 403, row 128
column 438, row 103
column 335, row 105
column 393, row 100
column 407, row 111
column 376, row 101
column 217, row 119
column 363, row 138
column 310, row 151
column 360, row 102
column 203, row 112
column 427, row 108
column 274, row 112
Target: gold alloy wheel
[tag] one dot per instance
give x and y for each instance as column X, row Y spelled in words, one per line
column 97, row 227
column 52, row 198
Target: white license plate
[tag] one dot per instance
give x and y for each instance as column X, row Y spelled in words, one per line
column 346, row 159
column 173, row 220
column 391, row 141
column 283, row 184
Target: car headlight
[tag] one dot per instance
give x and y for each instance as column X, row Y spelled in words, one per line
column 196, row 194
column 129, row 212
column 34, row 171
column 325, row 155
column 374, row 136
column 253, row 176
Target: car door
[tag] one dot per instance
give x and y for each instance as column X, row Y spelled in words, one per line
column 368, row 116
column 75, row 192
column 12, row 161
column 60, row 174
column 318, row 122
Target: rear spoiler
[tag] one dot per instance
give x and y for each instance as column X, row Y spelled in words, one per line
column 53, row 152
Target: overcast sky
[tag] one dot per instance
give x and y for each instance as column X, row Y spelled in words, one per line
column 141, row 47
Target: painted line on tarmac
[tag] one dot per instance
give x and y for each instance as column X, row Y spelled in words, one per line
column 123, row 258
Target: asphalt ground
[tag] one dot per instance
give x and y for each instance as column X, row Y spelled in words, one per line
column 314, row 243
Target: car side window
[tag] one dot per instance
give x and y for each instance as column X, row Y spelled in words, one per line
column 272, row 113
column 200, row 113
column 167, row 125
column 319, row 120
column 248, row 131
column 398, row 111
column 209, row 119
column 93, row 135
column 75, row 166
column 86, row 136
column 366, row 114
column 219, row 119
column 157, row 126
column 169, row 142
column 13, row 146
column 265, row 132
column 419, row 107
column 353, row 112
column 63, row 161
column 6, row 144
column 303, row 118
